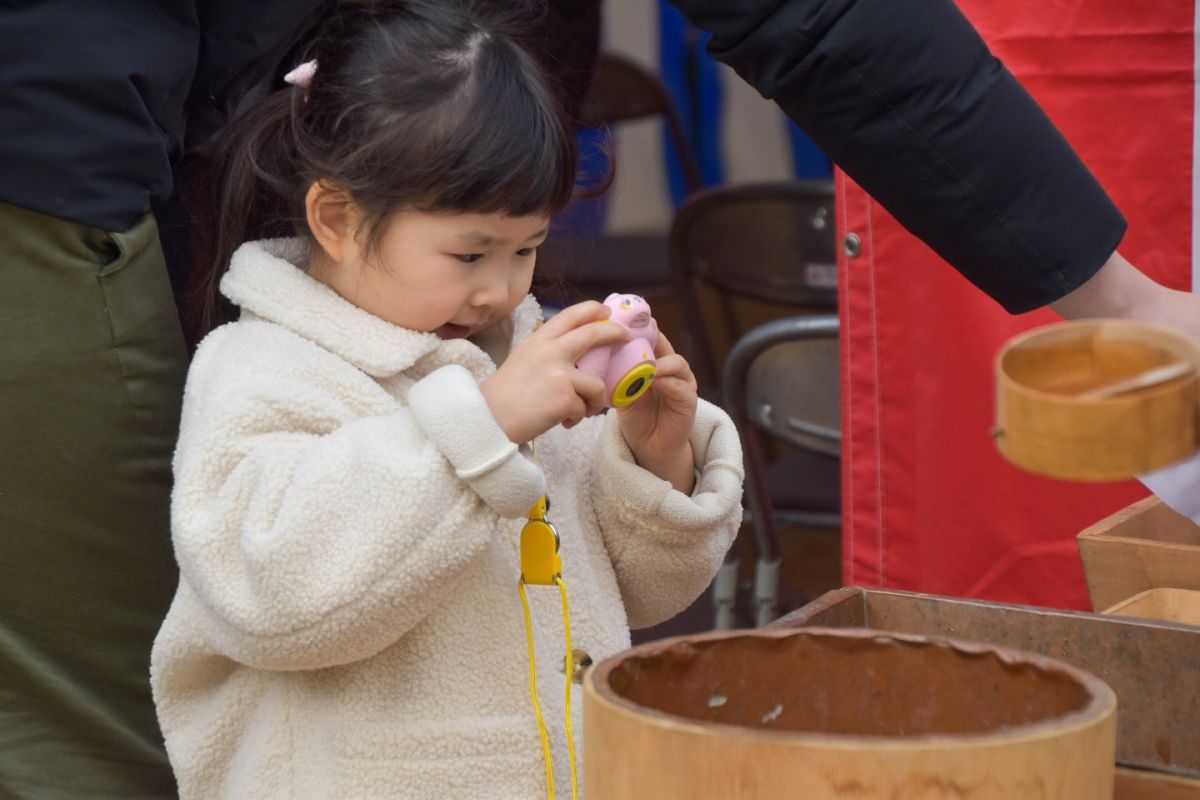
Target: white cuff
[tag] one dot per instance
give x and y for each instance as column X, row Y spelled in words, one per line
column 636, row 492
column 449, row 407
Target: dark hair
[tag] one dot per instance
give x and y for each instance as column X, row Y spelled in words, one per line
column 425, row 104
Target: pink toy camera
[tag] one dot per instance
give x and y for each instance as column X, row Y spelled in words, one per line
column 627, row 369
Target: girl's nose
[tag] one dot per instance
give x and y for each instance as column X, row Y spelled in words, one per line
column 491, row 292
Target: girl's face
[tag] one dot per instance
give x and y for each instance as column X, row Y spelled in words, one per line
column 451, row 274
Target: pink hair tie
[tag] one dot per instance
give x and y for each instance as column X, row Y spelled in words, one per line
column 302, row 75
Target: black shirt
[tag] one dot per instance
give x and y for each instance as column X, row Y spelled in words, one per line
column 97, row 98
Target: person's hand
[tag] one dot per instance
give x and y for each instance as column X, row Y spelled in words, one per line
column 1121, row 290
column 538, row 385
column 1170, row 307
column 658, row 425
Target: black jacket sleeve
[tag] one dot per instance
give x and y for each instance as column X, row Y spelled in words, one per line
column 906, row 98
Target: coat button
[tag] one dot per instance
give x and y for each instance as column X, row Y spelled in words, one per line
column 582, row 661
column 851, row 245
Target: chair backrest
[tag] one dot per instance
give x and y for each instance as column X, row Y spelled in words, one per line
column 746, row 254
column 782, row 378
column 623, row 91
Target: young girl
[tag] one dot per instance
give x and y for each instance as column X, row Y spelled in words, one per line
column 352, row 473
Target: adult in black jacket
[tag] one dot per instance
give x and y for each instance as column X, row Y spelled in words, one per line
column 906, row 98
column 96, row 101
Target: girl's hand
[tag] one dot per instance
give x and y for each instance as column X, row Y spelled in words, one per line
column 538, row 385
column 658, row 425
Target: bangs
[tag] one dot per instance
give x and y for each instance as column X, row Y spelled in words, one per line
column 508, row 151
column 497, row 142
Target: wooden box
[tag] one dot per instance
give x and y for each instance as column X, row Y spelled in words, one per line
column 1151, row 665
column 1144, row 546
column 1139, row 784
column 1167, row 605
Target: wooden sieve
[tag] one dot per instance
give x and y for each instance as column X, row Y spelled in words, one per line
column 1097, row 400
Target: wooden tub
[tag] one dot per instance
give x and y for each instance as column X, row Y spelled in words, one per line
column 817, row 713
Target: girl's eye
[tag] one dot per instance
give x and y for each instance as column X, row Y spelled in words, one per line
column 525, row 252
column 469, row 258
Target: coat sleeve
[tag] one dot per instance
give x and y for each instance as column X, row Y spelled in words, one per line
column 666, row 546
column 906, row 98
column 315, row 530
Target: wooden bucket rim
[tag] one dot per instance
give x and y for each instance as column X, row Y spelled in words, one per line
column 1172, row 336
column 1101, row 702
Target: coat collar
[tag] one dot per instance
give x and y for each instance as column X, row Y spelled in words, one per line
column 266, row 280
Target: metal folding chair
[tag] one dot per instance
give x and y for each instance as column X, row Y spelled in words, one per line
column 781, row 381
column 745, row 255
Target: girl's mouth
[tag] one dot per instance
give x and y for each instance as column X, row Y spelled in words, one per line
column 452, row 331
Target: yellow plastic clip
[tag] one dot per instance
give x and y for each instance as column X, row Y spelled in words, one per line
column 541, row 565
column 540, row 562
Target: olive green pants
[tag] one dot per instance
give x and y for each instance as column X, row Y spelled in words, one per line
column 92, row 364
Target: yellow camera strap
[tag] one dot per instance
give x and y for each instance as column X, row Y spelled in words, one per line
column 542, row 566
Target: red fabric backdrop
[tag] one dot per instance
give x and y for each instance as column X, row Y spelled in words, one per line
column 928, row 503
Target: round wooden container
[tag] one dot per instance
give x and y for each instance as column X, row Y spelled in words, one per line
column 820, row 714
column 1047, row 423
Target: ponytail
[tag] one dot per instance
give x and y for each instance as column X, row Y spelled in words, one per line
column 246, row 187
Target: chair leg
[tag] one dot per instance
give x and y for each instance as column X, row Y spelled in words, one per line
column 770, row 554
column 766, row 591
column 724, row 592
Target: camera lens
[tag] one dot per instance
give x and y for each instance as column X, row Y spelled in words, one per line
column 635, row 387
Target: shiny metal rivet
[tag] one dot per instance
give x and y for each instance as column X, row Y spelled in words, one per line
column 820, row 219
column 764, row 414
column 851, row 245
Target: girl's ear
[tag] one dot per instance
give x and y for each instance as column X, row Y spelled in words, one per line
column 333, row 219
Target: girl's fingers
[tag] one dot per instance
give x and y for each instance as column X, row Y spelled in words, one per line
column 578, row 412
column 578, row 341
column 674, row 366
column 591, row 389
column 663, row 346
column 573, row 317
column 674, row 377
column 674, row 388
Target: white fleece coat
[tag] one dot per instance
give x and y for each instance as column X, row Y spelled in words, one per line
column 346, row 516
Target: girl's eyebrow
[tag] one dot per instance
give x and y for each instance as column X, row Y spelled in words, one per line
column 483, row 239
column 478, row 238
